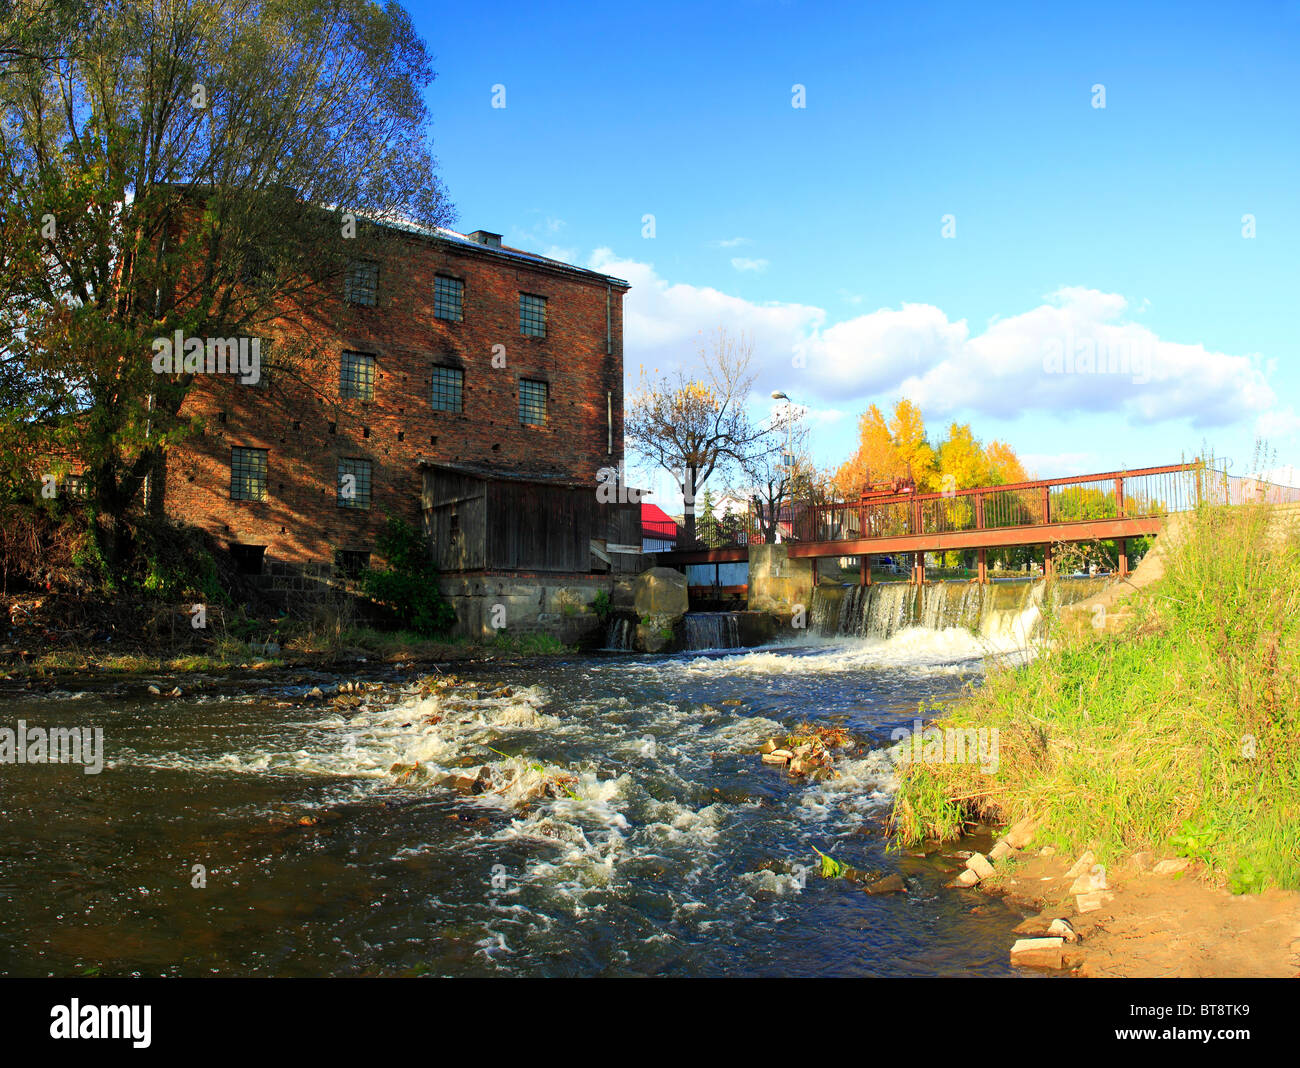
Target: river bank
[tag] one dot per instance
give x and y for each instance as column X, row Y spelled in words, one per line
column 1154, row 920
column 1160, row 727
column 51, row 637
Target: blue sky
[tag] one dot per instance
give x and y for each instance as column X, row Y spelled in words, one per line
column 819, row 230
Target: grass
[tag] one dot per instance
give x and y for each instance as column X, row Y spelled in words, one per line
column 1179, row 733
column 528, row 644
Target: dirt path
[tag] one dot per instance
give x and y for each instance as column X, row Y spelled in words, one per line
column 1159, row 926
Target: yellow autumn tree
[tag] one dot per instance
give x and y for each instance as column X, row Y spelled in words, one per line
column 963, row 462
column 920, row 462
column 875, row 459
column 1004, row 465
column 898, row 447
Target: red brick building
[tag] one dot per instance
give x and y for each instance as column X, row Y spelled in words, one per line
column 455, row 350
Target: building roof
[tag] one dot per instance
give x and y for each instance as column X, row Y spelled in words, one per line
column 490, row 473
column 471, row 245
column 652, row 513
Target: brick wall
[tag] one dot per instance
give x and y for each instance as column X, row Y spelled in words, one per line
column 307, row 428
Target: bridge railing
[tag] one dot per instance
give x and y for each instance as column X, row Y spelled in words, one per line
column 1152, row 491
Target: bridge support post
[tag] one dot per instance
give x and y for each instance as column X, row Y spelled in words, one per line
column 1123, row 557
column 983, row 568
column 1048, row 566
column 864, row 566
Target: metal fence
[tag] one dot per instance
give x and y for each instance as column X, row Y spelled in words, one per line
column 1153, row 491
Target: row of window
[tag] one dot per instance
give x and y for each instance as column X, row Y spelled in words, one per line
column 447, row 394
column 248, row 478
column 361, row 287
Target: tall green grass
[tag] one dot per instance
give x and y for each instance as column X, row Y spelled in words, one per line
column 1179, row 733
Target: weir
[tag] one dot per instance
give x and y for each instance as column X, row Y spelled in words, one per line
column 1001, row 611
column 712, row 630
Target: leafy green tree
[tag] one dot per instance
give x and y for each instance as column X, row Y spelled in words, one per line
column 202, row 166
column 707, row 530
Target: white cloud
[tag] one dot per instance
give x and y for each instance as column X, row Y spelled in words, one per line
column 1286, row 475
column 665, row 323
column 1277, row 424
column 730, row 242
column 743, row 263
column 1077, row 352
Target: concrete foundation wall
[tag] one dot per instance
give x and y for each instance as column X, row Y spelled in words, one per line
column 777, row 583
column 552, row 604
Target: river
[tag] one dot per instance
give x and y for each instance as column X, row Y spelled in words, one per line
column 670, row 850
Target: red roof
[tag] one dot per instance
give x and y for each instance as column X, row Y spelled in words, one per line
column 652, row 513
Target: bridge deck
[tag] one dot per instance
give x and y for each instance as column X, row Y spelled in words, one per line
column 997, row 538
column 1112, row 505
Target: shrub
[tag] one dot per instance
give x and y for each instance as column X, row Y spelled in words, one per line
column 409, row 584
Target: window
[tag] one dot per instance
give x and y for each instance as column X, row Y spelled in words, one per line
column 532, row 315
column 247, row 474
column 352, row 562
column 448, row 389
column 248, row 558
column 354, row 484
column 532, row 402
column 448, row 298
column 361, row 284
column 357, row 376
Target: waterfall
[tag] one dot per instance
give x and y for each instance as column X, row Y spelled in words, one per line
column 712, row 630
column 618, row 633
column 1003, row 612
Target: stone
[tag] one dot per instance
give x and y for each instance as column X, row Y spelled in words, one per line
column 176, row 692
column 774, row 758
column 1001, row 849
column 1090, row 881
column 1047, row 851
column 1060, row 928
column 769, row 746
column 1143, row 861
column 887, row 884
column 1037, row 953
column 1171, row 867
column 800, row 766
column 784, row 754
column 472, row 780
column 1022, row 833
column 1091, row 902
column 967, row 878
column 1083, row 864
column 660, row 591
column 314, row 694
column 1034, row 927
column 980, row 865
column 652, row 637
column 155, row 691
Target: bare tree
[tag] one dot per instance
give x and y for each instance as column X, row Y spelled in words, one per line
column 698, row 427
column 777, row 476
